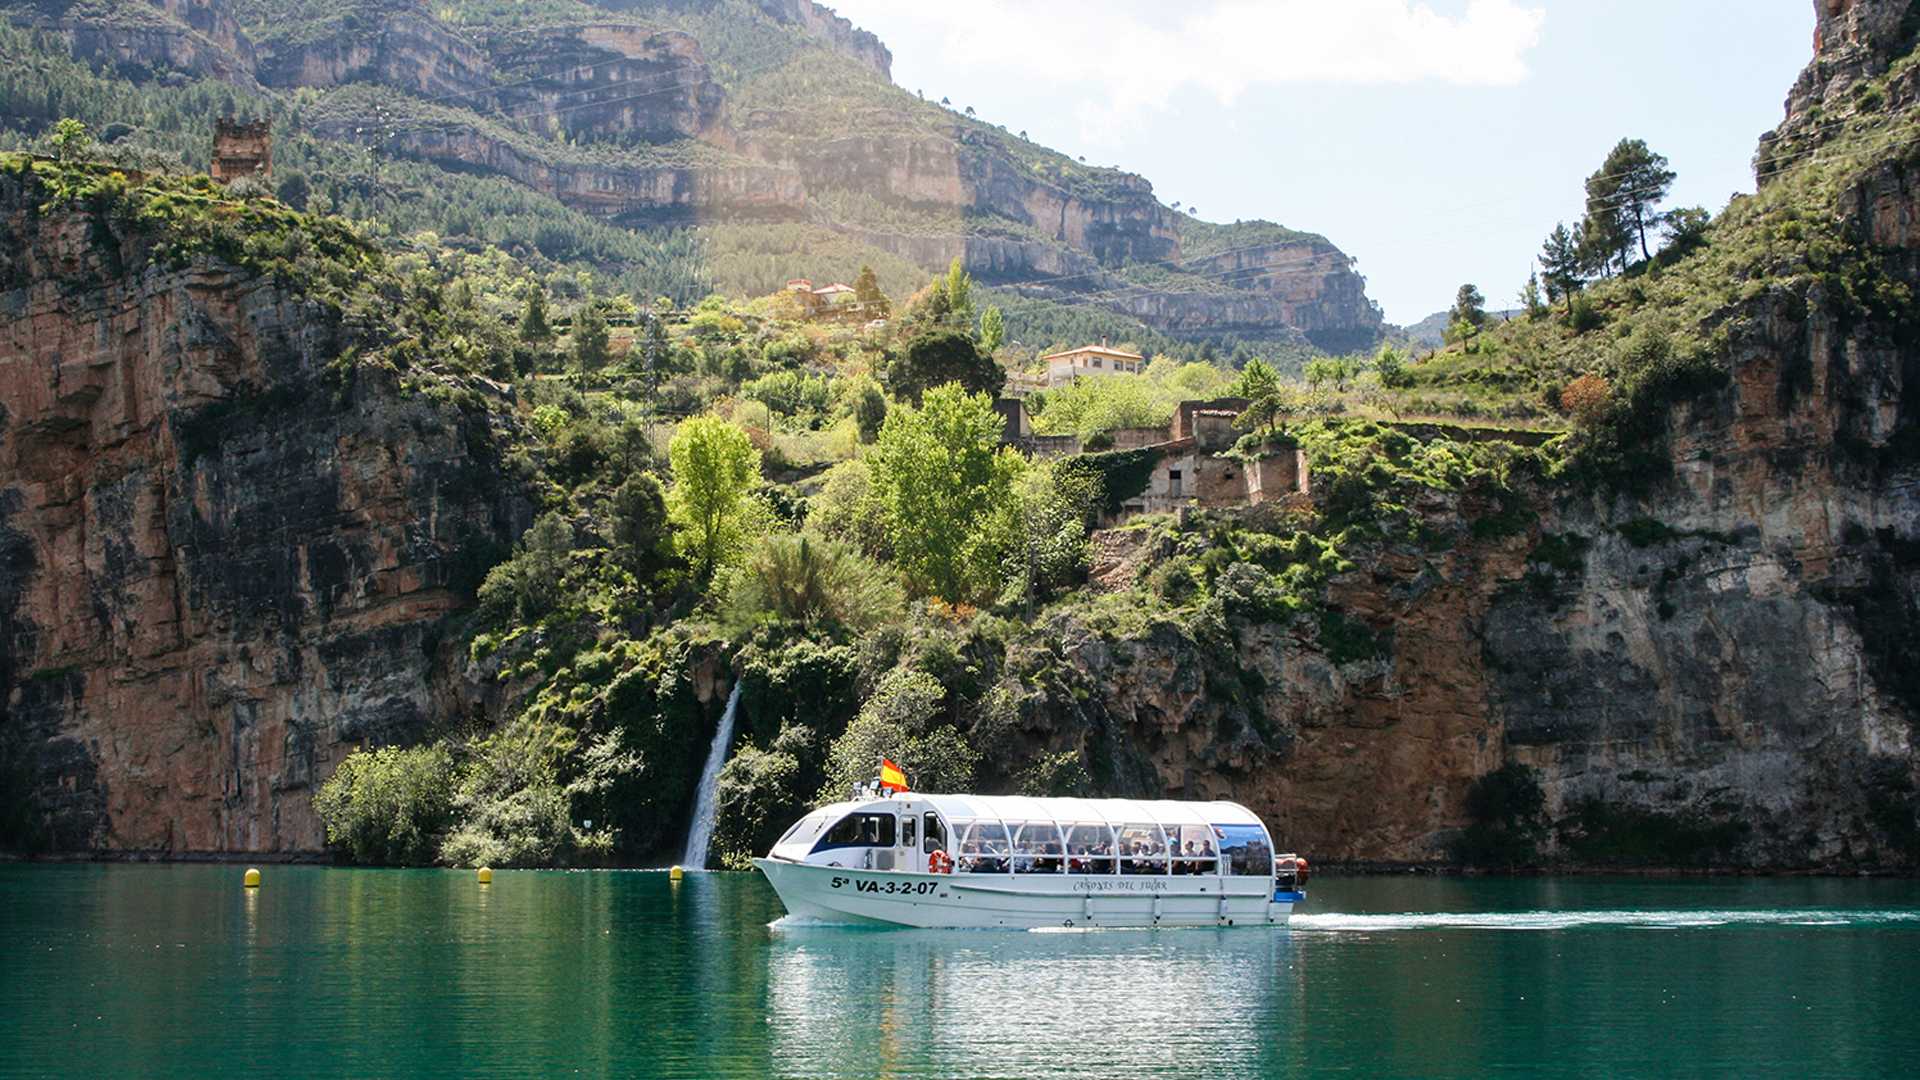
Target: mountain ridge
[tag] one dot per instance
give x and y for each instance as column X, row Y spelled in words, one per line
column 799, row 92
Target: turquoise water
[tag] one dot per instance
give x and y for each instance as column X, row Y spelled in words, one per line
column 175, row 971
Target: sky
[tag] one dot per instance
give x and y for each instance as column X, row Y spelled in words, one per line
column 1436, row 141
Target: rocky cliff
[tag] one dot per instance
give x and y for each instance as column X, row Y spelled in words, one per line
column 836, row 31
column 146, row 38
column 222, row 561
column 1710, row 672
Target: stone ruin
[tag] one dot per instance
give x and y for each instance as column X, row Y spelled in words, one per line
column 242, row 148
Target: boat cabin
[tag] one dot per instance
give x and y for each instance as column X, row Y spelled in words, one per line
column 1021, row 836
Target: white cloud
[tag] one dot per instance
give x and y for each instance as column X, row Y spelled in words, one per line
column 1112, row 58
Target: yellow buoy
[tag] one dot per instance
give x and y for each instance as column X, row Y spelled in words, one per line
column 252, row 878
column 485, row 874
column 676, row 874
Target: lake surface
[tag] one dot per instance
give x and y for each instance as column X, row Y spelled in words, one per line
column 175, row 971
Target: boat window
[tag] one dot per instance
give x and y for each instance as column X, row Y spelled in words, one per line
column 1194, row 849
column 909, row 834
column 859, row 830
column 805, row 829
column 1036, row 848
column 985, row 847
column 1143, row 850
column 1247, row 850
column 1089, row 849
column 935, row 835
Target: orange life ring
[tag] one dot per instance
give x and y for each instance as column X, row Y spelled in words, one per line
column 939, row 863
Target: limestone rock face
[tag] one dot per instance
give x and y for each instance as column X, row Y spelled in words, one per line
column 410, row 50
column 1852, row 39
column 221, row 568
column 199, row 37
column 836, row 31
column 635, row 193
column 610, row 82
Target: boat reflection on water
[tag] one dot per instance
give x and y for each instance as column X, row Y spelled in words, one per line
column 970, row 1003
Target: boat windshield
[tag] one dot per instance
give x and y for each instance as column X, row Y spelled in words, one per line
column 806, row 828
column 859, row 830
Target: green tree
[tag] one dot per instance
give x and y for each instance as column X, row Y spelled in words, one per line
column 715, row 470
column 867, row 404
column 535, row 327
column 756, row 800
column 947, row 487
column 993, row 331
column 960, row 293
column 528, row 585
column 848, row 508
column 1468, row 314
column 640, row 528
column 71, row 140
column 901, row 721
column 1391, row 364
column 943, row 356
column 388, row 806
column 295, row 190
column 633, row 445
column 1334, row 370
column 1271, row 409
column 1530, row 299
column 1561, row 265
column 1638, row 180
column 1257, row 380
column 1685, row 229
column 591, row 340
column 866, row 291
column 655, row 350
column 1054, row 506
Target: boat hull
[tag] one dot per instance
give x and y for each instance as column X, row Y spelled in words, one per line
column 833, row 894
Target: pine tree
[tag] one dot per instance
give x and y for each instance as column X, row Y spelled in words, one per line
column 1468, row 315
column 866, row 290
column 1561, row 265
column 1530, row 300
column 534, row 326
column 1641, row 181
column 591, row 339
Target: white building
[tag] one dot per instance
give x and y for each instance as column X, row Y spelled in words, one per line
column 1064, row 367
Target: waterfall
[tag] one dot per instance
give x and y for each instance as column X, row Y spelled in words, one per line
column 706, row 805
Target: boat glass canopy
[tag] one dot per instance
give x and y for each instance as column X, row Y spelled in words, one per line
column 998, row 834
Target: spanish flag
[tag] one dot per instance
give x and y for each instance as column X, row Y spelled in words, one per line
column 891, row 776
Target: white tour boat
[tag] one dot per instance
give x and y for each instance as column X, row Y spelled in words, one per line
column 910, row 859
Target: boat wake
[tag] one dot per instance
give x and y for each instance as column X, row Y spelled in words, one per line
column 1570, row 920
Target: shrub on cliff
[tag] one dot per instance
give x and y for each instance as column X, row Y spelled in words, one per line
column 812, row 583
column 388, row 806
column 1505, row 807
column 512, row 806
column 899, row 722
column 757, row 801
